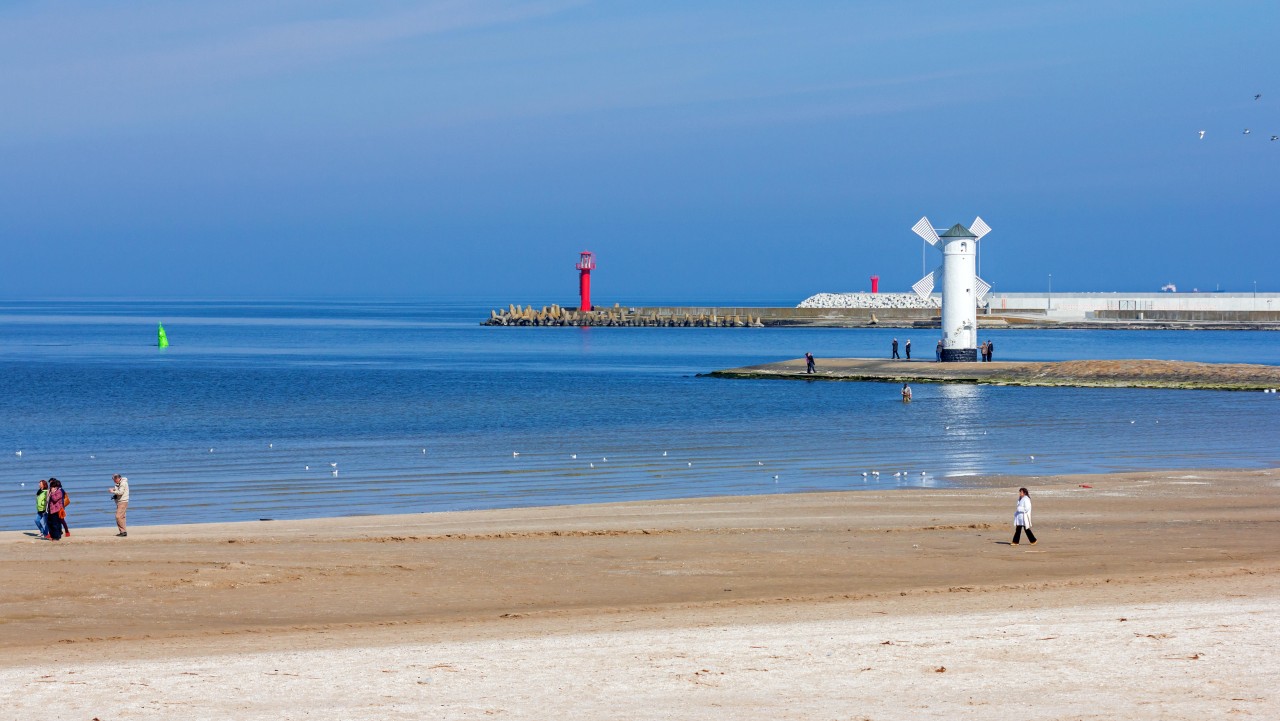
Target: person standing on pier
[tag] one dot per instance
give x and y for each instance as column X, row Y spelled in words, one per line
column 990, row 349
column 809, row 365
column 937, row 353
column 907, row 348
column 895, row 350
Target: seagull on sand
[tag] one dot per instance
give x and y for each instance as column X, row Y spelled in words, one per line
column 1202, row 135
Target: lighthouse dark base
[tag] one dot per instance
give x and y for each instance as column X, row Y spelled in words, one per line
column 959, row 355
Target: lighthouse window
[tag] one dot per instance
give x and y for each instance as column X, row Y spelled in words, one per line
column 963, row 246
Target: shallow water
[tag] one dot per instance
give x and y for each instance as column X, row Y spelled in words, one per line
column 242, row 416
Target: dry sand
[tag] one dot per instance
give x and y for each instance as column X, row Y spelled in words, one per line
column 1150, row 595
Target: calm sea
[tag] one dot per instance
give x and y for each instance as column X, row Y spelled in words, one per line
column 246, row 414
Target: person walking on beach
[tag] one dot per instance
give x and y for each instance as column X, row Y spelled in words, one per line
column 1022, row 518
column 120, row 493
column 895, row 349
column 937, row 353
column 906, row 393
column 42, row 499
column 907, row 348
column 809, row 365
column 55, row 508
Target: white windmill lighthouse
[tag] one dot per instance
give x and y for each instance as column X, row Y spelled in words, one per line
column 962, row 289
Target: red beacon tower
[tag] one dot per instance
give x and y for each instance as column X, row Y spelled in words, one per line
column 586, row 264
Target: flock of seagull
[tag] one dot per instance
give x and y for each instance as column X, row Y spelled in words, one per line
column 1247, row 131
column 333, row 466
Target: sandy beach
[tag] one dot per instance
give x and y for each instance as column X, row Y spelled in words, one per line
column 1150, row 595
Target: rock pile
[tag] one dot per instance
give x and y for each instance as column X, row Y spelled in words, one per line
column 617, row 316
column 870, row 300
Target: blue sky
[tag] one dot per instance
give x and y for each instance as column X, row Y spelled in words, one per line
column 703, row 150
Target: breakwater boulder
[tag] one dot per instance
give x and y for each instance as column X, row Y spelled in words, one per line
column 618, row 316
column 870, row 300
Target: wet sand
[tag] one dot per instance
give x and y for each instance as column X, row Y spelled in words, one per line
column 1149, row 595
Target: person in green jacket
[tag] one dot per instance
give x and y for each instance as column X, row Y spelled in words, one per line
column 42, row 498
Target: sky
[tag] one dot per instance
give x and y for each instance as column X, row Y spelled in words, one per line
column 702, row 149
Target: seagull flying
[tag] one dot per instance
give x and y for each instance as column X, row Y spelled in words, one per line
column 1258, row 96
column 1275, row 137
column 1202, row 135
column 1247, row 131
column 333, row 465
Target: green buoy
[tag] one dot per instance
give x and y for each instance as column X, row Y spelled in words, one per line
column 162, row 340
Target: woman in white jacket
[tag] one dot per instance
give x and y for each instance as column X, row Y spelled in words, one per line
column 1022, row 518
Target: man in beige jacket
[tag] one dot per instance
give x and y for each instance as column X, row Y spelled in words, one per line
column 120, row 492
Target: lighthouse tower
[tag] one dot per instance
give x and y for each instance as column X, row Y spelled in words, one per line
column 962, row 289
column 586, row 263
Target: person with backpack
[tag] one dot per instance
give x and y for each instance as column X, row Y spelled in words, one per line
column 42, row 500
column 55, row 509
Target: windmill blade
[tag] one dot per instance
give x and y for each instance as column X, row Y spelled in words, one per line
column 925, row 230
column 979, row 228
column 924, row 286
column 981, row 288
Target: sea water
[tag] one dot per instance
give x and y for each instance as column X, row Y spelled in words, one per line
column 304, row 409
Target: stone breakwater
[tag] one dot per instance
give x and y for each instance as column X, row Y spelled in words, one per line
column 617, row 316
column 870, row 300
